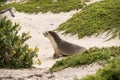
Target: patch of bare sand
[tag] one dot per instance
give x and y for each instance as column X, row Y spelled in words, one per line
column 40, row 74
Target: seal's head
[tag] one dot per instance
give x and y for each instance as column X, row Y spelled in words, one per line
column 52, row 36
column 47, row 34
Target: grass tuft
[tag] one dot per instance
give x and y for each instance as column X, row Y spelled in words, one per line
column 110, row 72
column 88, row 57
column 96, row 18
column 35, row 6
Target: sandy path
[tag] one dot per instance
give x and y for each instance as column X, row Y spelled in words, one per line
column 39, row 23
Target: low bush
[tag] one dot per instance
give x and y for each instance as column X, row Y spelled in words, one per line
column 88, row 57
column 96, row 18
column 1, row 2
column 14, row 52
column 110, row 72
column 35, row 6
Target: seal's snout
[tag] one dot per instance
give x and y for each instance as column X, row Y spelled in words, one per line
column 45, row 34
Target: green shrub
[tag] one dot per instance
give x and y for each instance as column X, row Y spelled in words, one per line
column 35, row 6
column 110, row 72
column 96, row 18
column 1, row 2
column 14, row 52
column 88, row 57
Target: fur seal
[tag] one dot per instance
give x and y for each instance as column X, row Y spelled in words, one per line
column 62, row 47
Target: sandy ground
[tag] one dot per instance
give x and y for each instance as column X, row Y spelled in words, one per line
column 40, row 74
column 39, row 23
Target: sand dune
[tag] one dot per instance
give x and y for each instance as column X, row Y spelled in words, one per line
column 39, row 23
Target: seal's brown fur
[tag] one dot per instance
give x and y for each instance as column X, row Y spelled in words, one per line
column 62, row 47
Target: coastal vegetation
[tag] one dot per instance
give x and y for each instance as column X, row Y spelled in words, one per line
column 14, row 52
column 55, row 6
column 96, row 18
column 110, row 72
column 90, row 56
